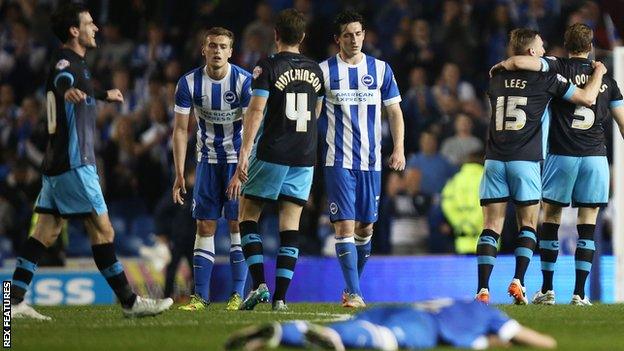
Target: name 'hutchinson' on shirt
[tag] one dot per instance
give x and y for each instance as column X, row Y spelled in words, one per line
column 298, row 74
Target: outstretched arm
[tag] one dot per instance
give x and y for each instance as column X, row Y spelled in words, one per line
column 587, row 95
column 515, row 63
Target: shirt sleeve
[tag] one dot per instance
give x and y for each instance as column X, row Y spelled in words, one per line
column 615, row 99
column 261, row 84
column 551, row 64
column 63, row 76
column 183, row 98
column 559, row 86
column 389, row 89
column 245, row 93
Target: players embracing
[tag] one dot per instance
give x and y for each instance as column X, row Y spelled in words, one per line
column 356, row 85
column 516, row 145
column 576, row 170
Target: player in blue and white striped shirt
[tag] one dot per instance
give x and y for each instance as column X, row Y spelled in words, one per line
column 218, row 93
column 356, row 85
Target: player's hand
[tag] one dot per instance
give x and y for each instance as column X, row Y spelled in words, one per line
column 74, row 95
column 599, row 67
column 114, row 95
column 397, row 160
column 179, row 188
column 233, row 189
column 241, row 169
column 497, row 68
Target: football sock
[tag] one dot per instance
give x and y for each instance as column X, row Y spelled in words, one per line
column 293, row 333
column 525, row 245
column 549, row 249
column 363, row 246
column 286, row 261
column 252, row 249
column 31, row 252
column 347, row 257
column 487, row 247
column 584, row 256
column 203, row 260
column 361, row 334
column 237, row 264
column 106, row 261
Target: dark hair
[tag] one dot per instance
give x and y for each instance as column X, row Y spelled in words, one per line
column 520, row 39
column 65, row 17
column 290, row 26
column 578, row 38
column 345, row 18
column 216, row 31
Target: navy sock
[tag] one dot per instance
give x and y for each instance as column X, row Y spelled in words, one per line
column 286, row 262
column 31, row 252
column 525, row 245
column 106, row 261
column 549, row 249
column 584, row 256
column 252, row 249
column 487, row 247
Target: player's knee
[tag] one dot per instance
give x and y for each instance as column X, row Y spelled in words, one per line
column 233, row 226
column 344, row 229
column 364, row 231
column 206, row 228
column 552, row 214
column 47, row 237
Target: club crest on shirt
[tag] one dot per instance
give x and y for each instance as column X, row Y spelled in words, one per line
column 367, row 80
column 229, row 97
column 62, row 64
column 333, row 208
column 257, row 71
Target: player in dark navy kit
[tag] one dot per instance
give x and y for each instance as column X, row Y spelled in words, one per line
column 464, row 324
column 289, row 87
column 70, row 181
column 515, row 147
column 576, row 170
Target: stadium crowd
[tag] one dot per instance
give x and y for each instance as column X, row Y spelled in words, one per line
column 440, row 52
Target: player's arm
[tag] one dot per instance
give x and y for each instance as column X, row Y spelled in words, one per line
column 397, row 129
column 251, row 124
column 182, row 111
column 319, row 106
column 111, row 95
column 587, row 96
column 523, row 62
column 618, row 115
column 529, row 337
column 64, row 82
column 180, row 141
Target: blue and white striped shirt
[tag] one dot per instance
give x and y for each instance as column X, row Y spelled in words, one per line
column 350, row 122
column 218, row 107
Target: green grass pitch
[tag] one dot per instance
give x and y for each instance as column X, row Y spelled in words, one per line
column 599, row 327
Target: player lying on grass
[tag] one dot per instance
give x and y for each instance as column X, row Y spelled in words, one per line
column 463, row 324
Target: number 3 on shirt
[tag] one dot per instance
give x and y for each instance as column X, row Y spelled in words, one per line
column 299, row 112
column 512, row 111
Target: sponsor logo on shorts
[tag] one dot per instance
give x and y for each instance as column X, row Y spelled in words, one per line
column 333, row 208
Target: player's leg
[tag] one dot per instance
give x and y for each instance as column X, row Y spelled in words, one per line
column 591, row 191
column 493, row 194
column 368, row 189
column 203, row 262
column 47, row 229
column 340, row 185
column 525, row 187
column 237, row 259
column 294, row 194
column 83, row 194
column 558, row 178
column 549, row 250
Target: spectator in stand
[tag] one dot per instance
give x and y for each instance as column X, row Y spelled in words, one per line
column 22, row 60
column 154, row 53
column 114, row 51
column 262, row 28
column 420, row 108
column 497, row 34
column 8, row 108
column 456, row 36
column 463, row 143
